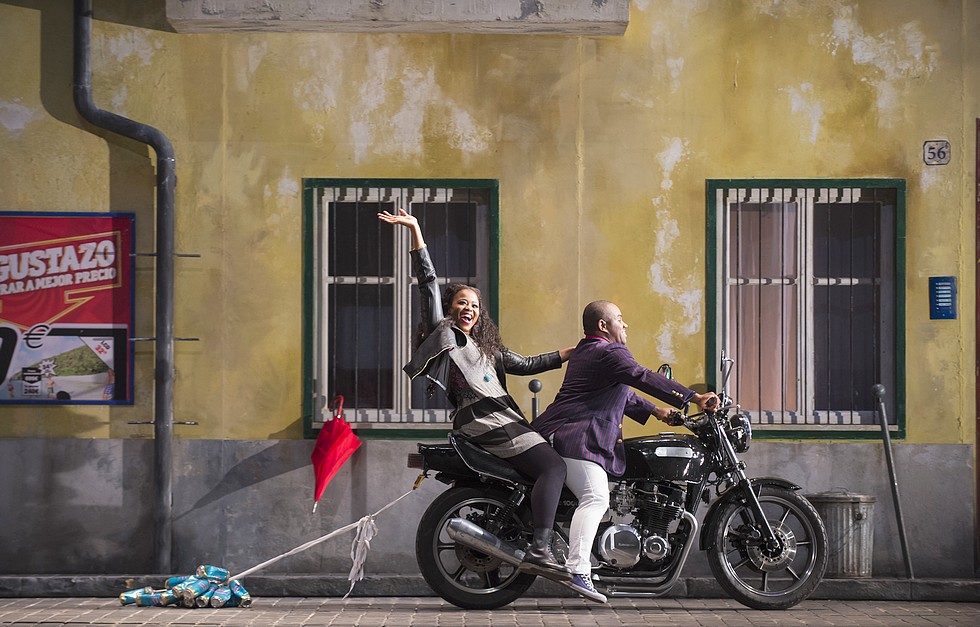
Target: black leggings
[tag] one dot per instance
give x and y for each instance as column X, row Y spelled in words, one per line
column 547, row 468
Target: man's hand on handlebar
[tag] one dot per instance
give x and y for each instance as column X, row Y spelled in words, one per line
column 671, row 416
column 707, row 401
column 675, row 419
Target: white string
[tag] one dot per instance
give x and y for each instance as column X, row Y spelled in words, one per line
column 312, row 543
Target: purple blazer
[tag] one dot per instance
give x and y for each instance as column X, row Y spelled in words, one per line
column 585, row 421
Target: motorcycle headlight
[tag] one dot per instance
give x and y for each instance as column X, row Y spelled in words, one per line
column 740, row 432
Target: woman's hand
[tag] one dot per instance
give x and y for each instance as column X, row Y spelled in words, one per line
column 565, row 353
column 408, row 221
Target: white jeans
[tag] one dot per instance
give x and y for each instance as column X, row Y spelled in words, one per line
column 588, row 482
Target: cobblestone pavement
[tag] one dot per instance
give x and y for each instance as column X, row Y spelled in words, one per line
column 529, row 612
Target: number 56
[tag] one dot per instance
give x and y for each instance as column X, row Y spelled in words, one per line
column 936, row 152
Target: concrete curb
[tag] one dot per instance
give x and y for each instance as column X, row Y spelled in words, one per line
column 333, row 585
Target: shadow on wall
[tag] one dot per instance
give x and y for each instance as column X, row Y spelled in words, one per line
column 74, row 505
column 270, row 462
column 148, row 14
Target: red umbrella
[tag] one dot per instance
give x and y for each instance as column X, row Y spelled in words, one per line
column 334, row 446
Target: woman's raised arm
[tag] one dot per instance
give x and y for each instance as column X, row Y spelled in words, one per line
column 408, row 221
column 425, row 273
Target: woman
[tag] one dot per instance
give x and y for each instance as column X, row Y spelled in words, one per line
column 461, row 352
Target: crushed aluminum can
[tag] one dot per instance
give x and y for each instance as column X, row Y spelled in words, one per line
column 221, row 596
column 158, row 598
column 164, row 598
column 239, row 594
column 193, row 588
column 204, row 599
column 173, row 581
column 215, row 574
column 178, row 589
column 131, row 597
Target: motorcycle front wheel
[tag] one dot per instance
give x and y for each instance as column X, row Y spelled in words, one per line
column 760, row 576
column 461, row 575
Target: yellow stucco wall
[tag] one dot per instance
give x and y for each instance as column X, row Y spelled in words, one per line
column 601, row 145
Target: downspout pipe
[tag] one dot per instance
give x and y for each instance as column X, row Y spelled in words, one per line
column 164, row 318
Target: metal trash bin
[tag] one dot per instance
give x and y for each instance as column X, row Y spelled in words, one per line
column 849, row 519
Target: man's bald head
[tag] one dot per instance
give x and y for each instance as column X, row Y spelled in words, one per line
column 603, row 318
column 594, row 312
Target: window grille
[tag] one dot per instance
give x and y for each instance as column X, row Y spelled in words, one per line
column 806, row 299
column 365, row 309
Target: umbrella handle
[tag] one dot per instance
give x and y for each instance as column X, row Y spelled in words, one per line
column 337, row 406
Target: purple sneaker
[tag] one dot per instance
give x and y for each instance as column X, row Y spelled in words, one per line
column 583, row 585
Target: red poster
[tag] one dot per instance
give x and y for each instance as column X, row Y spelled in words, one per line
column 66, row 307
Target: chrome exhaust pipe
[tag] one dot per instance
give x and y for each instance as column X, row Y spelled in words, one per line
column 479, row 539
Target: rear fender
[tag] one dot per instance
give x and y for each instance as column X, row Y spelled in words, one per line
column 447, row 463
column 732, row 494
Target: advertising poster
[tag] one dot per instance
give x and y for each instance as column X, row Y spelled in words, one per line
column 66, row 308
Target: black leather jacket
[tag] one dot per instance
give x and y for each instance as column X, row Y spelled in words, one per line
column 431, row 358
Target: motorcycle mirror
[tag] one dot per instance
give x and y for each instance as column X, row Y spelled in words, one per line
column 726, row 369
column 534, row 386
column 664, row 369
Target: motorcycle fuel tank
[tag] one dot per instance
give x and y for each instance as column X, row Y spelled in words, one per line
column 669, row 456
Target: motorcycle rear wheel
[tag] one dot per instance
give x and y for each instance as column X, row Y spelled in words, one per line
column 763, row 578
column 465, row 577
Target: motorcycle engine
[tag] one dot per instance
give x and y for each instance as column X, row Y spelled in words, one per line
column 619, row 546
column 654, row 506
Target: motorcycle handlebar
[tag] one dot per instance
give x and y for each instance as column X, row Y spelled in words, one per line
column 700, row 418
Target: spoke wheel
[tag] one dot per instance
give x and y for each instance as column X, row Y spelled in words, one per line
column 463, row 576
column 761, row 574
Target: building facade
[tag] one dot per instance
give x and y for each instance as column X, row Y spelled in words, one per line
column 781, row 181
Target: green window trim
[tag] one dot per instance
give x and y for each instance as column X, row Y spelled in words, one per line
column 712, row 340
column 309, row 289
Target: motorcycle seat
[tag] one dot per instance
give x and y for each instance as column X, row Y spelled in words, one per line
column 481, row 462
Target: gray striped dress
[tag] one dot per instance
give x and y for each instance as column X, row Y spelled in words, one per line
column 485, row 412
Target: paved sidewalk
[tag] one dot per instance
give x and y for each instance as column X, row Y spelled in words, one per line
column 536, row 612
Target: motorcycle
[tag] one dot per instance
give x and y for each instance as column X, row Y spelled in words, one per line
column 764, row 542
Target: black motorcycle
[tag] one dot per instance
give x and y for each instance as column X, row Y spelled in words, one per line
column 765, row 543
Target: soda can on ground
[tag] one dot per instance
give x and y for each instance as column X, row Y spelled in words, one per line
column 158, row 598
column 164, row 598
column 214, row 573
column 221, row 596
column 178, row 588
column 130, row 597
column 173, row 581
column 239, row 595
column 204, row 599
column 193, row 588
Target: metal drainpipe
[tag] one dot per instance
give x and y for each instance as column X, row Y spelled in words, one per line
column 164, row 319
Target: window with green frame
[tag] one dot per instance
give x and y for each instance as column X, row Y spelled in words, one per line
column 361, row 309
column 806, row 294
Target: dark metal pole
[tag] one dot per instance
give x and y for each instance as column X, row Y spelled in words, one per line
column 535, row 387
column 879, row 391
column 164, row 320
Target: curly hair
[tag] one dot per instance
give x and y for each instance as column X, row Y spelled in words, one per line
column 485, row 332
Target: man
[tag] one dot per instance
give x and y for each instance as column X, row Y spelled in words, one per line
column 585, row 424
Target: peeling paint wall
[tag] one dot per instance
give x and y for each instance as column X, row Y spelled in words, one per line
column 601, row 144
